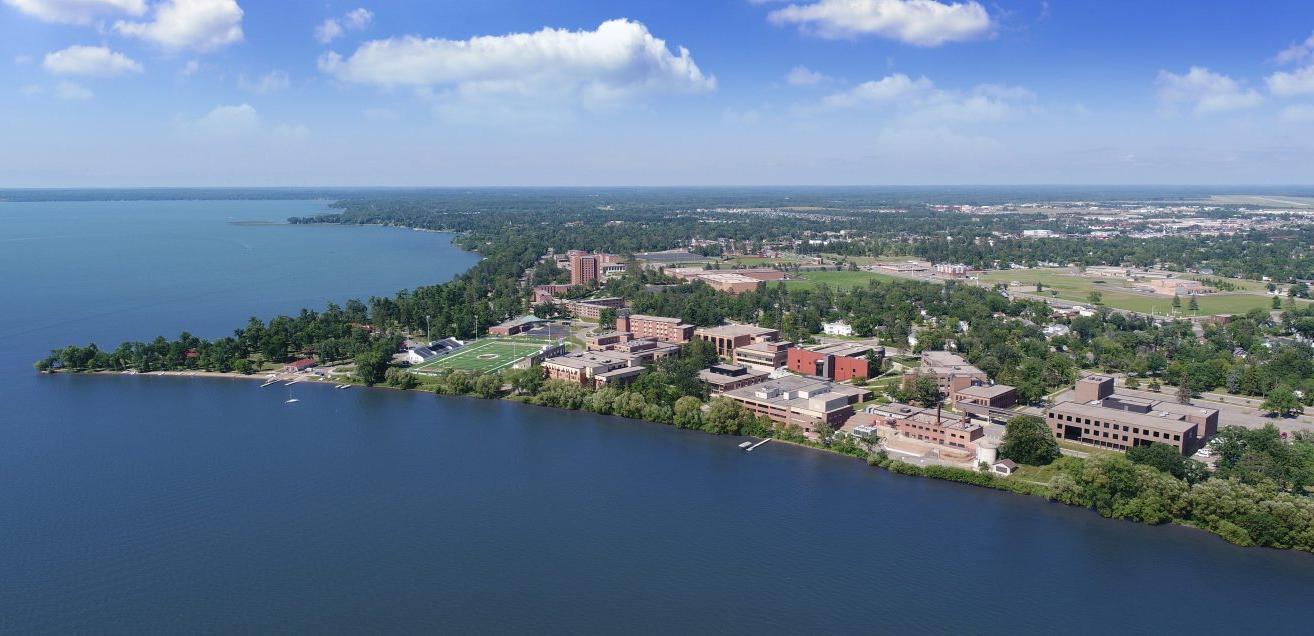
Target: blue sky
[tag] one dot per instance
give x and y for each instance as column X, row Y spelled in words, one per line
column 496, row 92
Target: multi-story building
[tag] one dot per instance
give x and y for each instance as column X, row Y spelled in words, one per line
column 727, row 337
column 728, row 377
column 655, row 327
column 839, row 328
column 951, row 371
column 986, row 401
column 592, row 308
column 809, row 403
column 930, row 425
column 764, row 356
column 1098, row 416
column 730, row 282
column 839, row 362
column 585, row 267
column 582, row 367
column 548, row 293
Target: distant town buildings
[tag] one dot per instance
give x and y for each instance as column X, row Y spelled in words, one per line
column 734, row 281
column 1098, row 416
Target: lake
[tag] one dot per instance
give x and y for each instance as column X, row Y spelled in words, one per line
column 164, row 504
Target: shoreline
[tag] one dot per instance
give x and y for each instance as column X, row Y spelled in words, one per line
column 886, row 463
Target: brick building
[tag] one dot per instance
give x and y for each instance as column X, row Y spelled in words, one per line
column 1100, row 417
column 727, row 337
column 839, row 362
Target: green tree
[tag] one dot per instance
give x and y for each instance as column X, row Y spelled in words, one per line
column 1027, row 440
column 371, row 365
column 1095, row 298
column 1132, row 382
column 1282, row 401
column 689, row 412
column 725, row 417
column 1177, row 301
column 1277, row 302
column 1184, row 392
column 1160, row 456
column 1193, row 304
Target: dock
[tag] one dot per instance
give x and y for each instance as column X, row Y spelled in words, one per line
column 750, row 448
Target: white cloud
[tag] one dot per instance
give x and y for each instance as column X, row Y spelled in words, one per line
column 237, row 121
column 803, row 76
column 1205, row 90
column 31, row 90
column 1298, row 113
column 332, row 28
column 71, row 91
column 1297, row 82
column 190, row 68
column 1297, row 52
column 921, row 99
column 90, row 60
column 270, row 82
column 617, row 59
column 328, row 30
column 358, row 18
column 917, row 22
column 201, row 25
column 76, row 11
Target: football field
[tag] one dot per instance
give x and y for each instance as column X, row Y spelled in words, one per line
column 487, row 355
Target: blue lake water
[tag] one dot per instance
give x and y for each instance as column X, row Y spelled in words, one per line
column 149, row 504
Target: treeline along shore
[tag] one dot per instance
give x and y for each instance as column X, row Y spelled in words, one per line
column 1258, row 494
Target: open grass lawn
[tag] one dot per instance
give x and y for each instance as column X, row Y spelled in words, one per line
column 485, row 356
column 1118, row 295
column 839, row 280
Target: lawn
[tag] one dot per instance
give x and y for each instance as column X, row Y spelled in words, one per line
column 1117, row 294
column 486, row 356
column 838, row 280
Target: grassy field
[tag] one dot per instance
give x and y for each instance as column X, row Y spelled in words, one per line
column 485, row 356
column 1118, row 294
column 838, row 280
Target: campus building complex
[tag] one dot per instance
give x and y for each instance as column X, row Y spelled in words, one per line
column 585, row 267
column 985, row 401
column 929, row 425
column 1098, row 416
column 728, row 377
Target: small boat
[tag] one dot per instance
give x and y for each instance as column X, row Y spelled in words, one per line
column 291, row 400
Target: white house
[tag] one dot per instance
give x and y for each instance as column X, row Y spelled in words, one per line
column 840, row 328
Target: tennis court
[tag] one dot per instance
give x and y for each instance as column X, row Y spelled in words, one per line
column 487, row 355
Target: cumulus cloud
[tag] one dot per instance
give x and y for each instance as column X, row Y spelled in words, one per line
column 1205, row 91
column 71, row 91
column 76, row 11
column 803, row 76
column 921, row 99
column 270, row 82
column 237, row 121
column 617, row 59
column 916, row 22
column 333, row 28
column 328, row 30
column 1297, row 82
column 201, row 25
column 1298, row 52
column 96, row 61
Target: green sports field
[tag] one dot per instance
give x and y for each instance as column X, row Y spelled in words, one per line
column 487, row 355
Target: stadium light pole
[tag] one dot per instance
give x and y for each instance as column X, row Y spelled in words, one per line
column 428, row 330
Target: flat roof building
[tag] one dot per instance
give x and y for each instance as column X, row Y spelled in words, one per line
column 808, row 403
column 517, row 325
column 930, row 425
column 839, row 362
column 951, row 371
column 655, row 327
column 765, row 356
column 1099, row 417
column 727, row 337
column 986, row 401
column 727, row 377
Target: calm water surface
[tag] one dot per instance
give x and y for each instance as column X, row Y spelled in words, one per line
column 147, row 504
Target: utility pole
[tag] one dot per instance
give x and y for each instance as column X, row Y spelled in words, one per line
column 428, row 330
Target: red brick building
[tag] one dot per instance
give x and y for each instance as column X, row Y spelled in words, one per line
column 655, row 327
column 837, row 362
